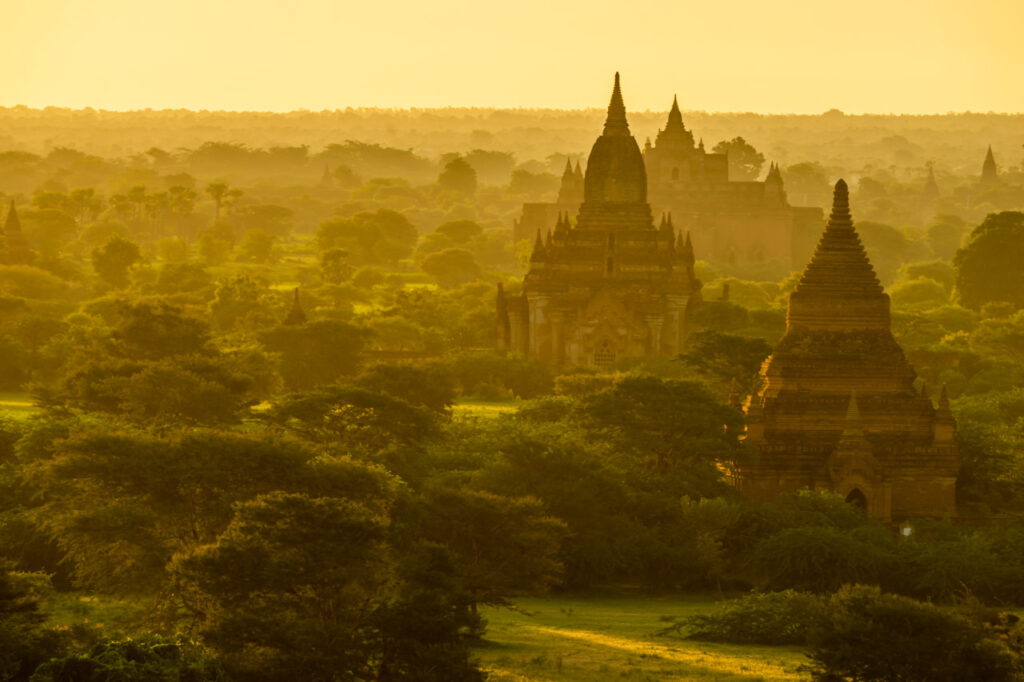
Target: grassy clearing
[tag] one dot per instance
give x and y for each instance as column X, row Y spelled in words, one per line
column 17, row 405
column 614, row 638
column 482, row 409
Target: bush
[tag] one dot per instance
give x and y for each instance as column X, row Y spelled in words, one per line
column 820, row 559
column 769, row 618
column 869, row 636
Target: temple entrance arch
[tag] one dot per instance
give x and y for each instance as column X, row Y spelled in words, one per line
column 857, row 499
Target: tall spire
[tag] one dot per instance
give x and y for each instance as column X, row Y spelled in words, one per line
column 931, row 188
column 989, row 171
column 296, row 315
column 616, row 123
column 567, row 173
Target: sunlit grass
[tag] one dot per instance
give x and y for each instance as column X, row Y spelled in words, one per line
column 613, row 638
column 468, row 408
column 17, row 405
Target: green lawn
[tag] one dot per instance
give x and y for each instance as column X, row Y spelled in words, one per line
column 17, row 405
column 614, row 638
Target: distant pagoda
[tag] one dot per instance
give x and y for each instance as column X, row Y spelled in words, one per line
column 612, row 285
column 15, row 249
column 837, row 409
column 989, row 170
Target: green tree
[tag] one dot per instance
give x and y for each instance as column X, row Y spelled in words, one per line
column 988, row 266
column 744, row 161
column 457, row 177
column 113, row 260
column 502, row 546
column 383, row 236
column 257, row 246
column 451, row 267
column 317, row 568
column 316, row 353
column 873, row 637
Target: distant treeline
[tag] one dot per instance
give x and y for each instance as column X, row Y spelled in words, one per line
column 956, row 143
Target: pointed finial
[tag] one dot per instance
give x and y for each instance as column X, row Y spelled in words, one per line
column 670, row 220
column 944, row 399
column 539, row 244
column 616, row 123
column 689, row 244
column 296, row 315
column 12, row 224
column 701, row 145
column 675, row 117
column 579, row 173
column 924, row 389
column 568, row 168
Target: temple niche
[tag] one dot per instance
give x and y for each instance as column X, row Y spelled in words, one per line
column 733, row 221
column 612, row 285
column 837, row 409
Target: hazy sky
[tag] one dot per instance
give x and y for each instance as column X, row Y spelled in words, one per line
column 913, row 56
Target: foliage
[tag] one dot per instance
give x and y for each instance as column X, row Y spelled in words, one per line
column 151, row 659
column 316, row 353
column 112, row 260
column 759, row 618
column 744, row 161
column 988, row 265
column 870, row 636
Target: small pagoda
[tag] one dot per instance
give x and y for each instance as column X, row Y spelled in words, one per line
column 837, row 409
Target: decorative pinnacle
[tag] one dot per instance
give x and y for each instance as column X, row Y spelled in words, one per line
column 616, row 123
column 675, row 117
column 12, row 224
column 568, row 168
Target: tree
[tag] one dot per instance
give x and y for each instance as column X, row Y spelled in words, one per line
column 451, row 267
column 354, row 418
column 317, row 568
column 257, row 246
column 873, row 637
column 988, row 266
column 382, row 236
column 728, row 358
column 673, row 426
column 744, row 161
column 316, row 353
column 430, row 386
column 807, row 184
column 946, row 234
column 334, row 266
column 502, row 546
column 458, row 177
column 113, row 260
column 460, row 232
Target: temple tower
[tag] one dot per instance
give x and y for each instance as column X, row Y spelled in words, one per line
column 16, row 250
column 837, row 409
column 611, row 285
column 989, row 171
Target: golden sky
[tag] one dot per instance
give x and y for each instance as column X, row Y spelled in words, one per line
column 909, row 56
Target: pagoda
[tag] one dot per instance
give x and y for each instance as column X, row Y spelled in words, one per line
column 837, row 409
column 610, row 285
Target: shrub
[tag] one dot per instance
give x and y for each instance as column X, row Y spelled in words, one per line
column 869, row 636
column 768, row 618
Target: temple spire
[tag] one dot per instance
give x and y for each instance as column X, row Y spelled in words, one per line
column 296, row 315
column 989, row 172
column 616, row 123
column 675, row 117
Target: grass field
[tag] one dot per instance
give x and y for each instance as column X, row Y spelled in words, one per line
column 615, row 638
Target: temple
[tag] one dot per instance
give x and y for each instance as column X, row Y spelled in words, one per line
column 611, row 285
column 541, row 216
column 15, row 249
column 989, row 170
column 837, row 409
column 733, row 221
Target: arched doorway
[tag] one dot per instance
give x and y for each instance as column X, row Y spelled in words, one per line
column 858, row 499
